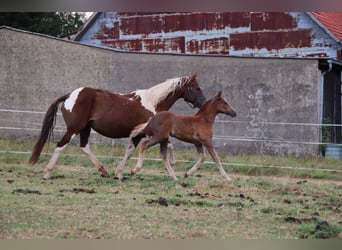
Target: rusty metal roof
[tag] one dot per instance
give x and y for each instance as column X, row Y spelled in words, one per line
column 331, row 22
column 256, row 34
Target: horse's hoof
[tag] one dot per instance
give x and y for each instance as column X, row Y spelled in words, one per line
column 118, row 177
column 47, row 176
column 105, row 175
column 186, row 175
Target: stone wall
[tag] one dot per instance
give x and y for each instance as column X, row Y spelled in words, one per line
column 270, row 95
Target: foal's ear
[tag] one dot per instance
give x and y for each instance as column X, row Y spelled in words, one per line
column 218, row 95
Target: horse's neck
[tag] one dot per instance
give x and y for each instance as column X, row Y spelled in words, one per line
column 167, row 103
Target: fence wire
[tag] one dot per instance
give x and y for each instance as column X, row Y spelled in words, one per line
column 14, row 125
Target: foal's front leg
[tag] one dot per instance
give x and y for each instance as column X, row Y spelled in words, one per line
column 216, row 158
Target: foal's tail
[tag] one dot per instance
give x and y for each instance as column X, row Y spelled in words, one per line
column 139, row 129
column 47, row 128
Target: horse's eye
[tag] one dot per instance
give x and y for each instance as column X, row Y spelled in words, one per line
column 190, row 88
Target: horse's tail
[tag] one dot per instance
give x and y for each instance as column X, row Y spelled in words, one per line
column 47, row 128
column 139, row 129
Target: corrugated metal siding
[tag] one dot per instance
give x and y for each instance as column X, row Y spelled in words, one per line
column 258, row 34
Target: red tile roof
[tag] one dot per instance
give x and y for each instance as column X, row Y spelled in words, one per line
column 331, row 21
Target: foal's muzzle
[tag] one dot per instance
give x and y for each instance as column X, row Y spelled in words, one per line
column 231, row 113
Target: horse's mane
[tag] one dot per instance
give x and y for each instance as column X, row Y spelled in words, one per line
column 154, row 95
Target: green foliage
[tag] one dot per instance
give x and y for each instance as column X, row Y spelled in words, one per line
column 60, row 24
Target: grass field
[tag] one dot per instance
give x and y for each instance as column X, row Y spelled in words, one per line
column 269, row 198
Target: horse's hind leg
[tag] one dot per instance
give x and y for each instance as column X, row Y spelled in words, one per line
column 128, row 153
column 144, row 145
column 138, row 166
column 200, row 150
column 171, row 154
column 61, row 145
column 163, row 151
column 216, row 158
column 84, row 136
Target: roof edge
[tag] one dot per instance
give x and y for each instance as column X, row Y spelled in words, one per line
column 86, row 26
column 332, row 35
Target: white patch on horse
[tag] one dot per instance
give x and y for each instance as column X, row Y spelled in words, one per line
column 70, row 102
column 151, row 97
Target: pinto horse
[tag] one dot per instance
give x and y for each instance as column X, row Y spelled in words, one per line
column 112, row 115
column 195, row 129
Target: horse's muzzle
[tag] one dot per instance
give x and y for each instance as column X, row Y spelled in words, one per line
column 199, row 102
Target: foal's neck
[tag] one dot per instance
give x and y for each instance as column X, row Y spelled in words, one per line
column 208, row 112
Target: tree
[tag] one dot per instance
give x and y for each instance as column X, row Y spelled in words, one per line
column 60, row 24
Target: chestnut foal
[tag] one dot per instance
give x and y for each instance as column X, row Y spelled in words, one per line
column 195, row 129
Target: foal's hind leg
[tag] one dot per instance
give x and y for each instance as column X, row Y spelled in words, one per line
column 163, row 149
column 216, row 158
column 61, row 145
column 84, row 136
column 200, row 150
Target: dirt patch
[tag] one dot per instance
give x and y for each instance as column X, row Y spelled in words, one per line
column 26, row 191
column 161, row 201
column 78, row 190
column 292, row 219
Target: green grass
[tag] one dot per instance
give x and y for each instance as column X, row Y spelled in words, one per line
column 262, row 203
column 253, row 165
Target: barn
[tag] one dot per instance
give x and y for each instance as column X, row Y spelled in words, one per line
column 281, row 71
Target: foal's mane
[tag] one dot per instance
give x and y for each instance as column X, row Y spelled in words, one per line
column 205, row 106
column 154, row 95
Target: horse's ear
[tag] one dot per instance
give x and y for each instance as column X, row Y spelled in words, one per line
column 193, row 76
